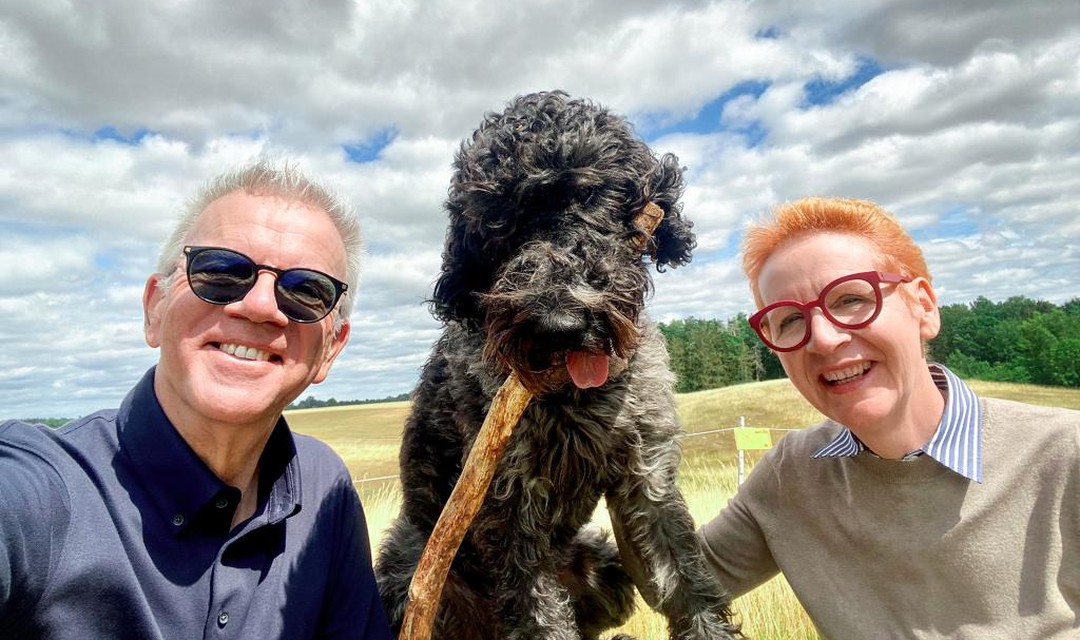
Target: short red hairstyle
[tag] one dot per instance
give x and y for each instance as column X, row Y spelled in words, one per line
column 861, row 218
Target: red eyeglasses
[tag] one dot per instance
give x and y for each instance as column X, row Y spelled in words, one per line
column 851, row 302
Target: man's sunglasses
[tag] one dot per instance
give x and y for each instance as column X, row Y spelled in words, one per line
column 223, row 276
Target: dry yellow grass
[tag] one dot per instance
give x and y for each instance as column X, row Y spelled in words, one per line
column 774, row 404
column 1029, row 393
column 771, row 612
column 367, row 438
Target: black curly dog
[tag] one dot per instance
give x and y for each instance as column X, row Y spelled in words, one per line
column 545, row 271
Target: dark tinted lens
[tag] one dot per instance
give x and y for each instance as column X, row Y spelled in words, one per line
column 305, row 295
column 220, row 276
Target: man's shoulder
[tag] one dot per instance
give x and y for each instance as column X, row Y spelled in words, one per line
column 38, row 451
column 319, row 459
column 57, row 441
column 325, row 479
column 33, row 439
column 21, row 430
column 313, row 448
column 33, row 472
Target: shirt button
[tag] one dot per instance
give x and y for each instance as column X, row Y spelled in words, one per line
column 223, row 618
column 221, row 503
column 178, row 519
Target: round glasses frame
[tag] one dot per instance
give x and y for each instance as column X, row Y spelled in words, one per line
column 875, row 278
column 280, row 292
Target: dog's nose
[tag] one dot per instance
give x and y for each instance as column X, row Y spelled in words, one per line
column 560, row 329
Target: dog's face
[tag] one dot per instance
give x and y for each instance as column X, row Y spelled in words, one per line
column 546, row 250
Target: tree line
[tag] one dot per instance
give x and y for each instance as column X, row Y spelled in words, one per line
column 311, row 402
column 1018, row 340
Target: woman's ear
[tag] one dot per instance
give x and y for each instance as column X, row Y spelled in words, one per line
column 927, row 308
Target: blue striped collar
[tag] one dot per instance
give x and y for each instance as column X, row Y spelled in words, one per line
column 957, row 443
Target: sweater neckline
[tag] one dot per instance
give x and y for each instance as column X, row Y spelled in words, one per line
column 913, row 470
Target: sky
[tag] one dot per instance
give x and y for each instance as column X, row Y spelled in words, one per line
column 960, row 117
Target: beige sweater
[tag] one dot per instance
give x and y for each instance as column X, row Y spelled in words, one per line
column 887, row 549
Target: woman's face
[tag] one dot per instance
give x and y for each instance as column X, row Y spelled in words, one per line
column 866, row 379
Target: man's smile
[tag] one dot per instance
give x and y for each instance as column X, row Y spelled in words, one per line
column 245, row 352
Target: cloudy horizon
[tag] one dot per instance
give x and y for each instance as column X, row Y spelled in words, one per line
column 962, row 118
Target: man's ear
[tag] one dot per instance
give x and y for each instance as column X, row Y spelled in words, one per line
column 927, row 308
column 332, row 351
column 153, row 299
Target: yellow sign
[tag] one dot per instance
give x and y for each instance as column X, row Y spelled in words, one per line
column 751, row 439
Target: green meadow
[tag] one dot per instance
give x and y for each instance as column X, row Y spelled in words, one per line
column 367, row 437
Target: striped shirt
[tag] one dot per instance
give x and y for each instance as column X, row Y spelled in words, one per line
column 957, row 443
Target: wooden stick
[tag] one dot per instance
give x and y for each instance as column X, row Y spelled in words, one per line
column 648, row 219
column 426, row 587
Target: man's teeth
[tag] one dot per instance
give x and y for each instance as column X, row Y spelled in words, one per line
column 245, row 353
column 848, row 373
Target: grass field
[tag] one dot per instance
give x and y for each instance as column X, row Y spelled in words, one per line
column 367, row 437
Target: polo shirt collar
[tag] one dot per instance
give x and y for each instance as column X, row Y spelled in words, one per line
column 182, row 485
column 280, row 474
column 957, row 442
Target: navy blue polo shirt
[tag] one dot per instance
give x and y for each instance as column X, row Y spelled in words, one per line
column 111, row 527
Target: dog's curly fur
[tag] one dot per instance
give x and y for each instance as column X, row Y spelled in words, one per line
column 543, row 259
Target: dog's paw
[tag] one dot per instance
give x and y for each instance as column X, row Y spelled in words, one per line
column 708, row 625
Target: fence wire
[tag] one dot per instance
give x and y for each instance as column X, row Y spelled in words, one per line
column 685, row 435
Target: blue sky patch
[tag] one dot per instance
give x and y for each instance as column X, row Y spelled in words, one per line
column 105, row 261
column 956, row 221
column 368, row 150
column 708, row 119
column 110, row 133
column 821, row 92
column 768, row 33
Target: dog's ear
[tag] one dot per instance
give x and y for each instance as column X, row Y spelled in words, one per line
column 464, row 271
column 673, row 241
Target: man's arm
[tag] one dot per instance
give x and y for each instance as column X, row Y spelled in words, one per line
column 34, row 519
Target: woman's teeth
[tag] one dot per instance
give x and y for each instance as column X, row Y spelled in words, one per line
column 844, row 375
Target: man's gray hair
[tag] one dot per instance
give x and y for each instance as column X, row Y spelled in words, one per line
column 285, row 180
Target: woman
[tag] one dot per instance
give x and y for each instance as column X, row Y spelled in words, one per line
column 916, row 509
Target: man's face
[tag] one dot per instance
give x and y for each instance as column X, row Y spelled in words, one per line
column 244, row 362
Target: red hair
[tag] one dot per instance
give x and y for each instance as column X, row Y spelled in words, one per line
column 861, row 218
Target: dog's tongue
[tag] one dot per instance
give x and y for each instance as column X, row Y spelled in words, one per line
column 587, row 369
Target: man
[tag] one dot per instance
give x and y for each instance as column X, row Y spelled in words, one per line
column 193, row 511
column 917, row 509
